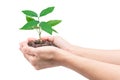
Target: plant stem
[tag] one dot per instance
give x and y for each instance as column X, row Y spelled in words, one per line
column 39, row 30
column 39, row 33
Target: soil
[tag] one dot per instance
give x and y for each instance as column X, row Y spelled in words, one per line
column 38, row 43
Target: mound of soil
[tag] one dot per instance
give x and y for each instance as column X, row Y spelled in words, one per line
column 38, row 43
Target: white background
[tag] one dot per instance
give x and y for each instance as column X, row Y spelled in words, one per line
column 87, row 23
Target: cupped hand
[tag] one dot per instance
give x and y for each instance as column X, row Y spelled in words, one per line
column 41, row 57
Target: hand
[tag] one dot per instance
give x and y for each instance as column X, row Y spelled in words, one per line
column 63, row 44
column 41, row 57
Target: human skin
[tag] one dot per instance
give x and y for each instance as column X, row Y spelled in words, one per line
column 109, row 56
column 90, row 67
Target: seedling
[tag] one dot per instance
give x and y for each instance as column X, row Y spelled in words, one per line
column 34, row 22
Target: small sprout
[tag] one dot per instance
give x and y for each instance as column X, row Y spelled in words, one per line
column 32, row 23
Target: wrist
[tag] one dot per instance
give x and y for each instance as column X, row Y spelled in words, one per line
column 60, row 56
column 69, row 48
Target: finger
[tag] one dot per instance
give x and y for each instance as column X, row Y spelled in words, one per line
column 51, row 39
column 55, row 39
column 29, row 50
column 24, row 53
column 32, row 59
column 26, row 49
column 23, row 43
column 26, row 56
column 44, row 38
column 22, row 46
column 60, row 42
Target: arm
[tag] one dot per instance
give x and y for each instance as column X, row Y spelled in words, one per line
column 91, row 69
column 48, row 56
column 110, row 56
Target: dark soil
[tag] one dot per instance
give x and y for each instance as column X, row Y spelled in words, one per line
column 38, row 43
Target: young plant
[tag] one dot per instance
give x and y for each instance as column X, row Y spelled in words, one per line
column 33, row 21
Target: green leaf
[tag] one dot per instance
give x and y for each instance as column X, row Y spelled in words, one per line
column 46, row 11
column 30, row 13
column 54, row 22
column 46, row 27
column 53, row 30
column 28, row 19
column 30, row 25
